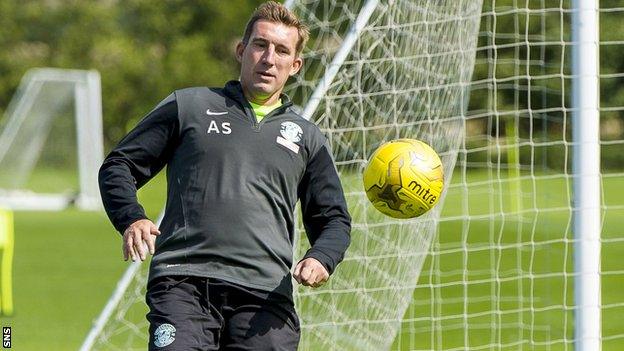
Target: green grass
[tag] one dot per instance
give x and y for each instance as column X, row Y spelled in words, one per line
column 66, row 266
column 64, row 269
column 68, row 263
column 518, row 291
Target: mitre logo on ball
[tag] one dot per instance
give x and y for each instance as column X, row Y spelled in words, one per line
column 404, row 178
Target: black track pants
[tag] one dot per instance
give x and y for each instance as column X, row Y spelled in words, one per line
column 194, row 313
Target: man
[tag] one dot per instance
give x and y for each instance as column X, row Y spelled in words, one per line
column 238, row 159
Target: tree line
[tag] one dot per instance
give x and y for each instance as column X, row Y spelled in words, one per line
column 146, row 49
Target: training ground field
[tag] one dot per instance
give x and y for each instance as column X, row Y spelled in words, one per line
column 68, row 263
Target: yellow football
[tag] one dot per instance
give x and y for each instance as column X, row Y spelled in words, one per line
column 404, row 178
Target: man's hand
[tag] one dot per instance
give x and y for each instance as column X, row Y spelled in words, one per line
column 310, row 272
column 133, row 237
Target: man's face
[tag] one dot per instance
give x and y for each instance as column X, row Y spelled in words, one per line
column 267, row 60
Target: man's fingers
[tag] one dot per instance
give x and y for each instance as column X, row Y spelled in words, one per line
column 154, row 229
column 315, row 278
column 321, row 279
column 297, row 273
column 298, row 269
column 138, row 244
column 129, row 246
column 306, row 274
column 149, row 237
column 303, row 273
column 310, row 273
column 139, row 239
column 150, row 244
column 125, row 250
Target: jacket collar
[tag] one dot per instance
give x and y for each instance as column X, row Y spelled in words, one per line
column 234, row 90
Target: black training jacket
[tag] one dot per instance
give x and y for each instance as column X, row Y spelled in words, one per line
column 232, row 186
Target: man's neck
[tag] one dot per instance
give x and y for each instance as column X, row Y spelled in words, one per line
column 264, row 101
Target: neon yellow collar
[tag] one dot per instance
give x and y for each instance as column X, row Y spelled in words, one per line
column 263, row 110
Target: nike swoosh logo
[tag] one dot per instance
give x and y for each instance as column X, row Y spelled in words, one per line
column 210, row 113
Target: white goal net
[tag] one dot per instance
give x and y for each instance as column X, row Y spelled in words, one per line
column 51, row 142
column 491, row 267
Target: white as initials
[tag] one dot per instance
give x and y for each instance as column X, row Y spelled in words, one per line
column 214, row 128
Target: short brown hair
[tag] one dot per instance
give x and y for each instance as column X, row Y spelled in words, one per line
column 274, row 12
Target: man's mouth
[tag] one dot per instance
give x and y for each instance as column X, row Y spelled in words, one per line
column 266, row 75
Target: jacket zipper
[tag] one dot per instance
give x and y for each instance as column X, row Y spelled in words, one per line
column 257, row 125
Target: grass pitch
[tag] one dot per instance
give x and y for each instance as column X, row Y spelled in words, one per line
column 68, row 263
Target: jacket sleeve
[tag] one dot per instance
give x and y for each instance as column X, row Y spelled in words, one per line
column 324, row 210
column 137, row 158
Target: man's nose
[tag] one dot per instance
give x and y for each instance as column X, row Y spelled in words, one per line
column 269, row 55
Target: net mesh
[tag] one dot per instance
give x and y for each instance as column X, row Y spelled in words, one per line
column 51, row 141
column 38, row 138
column 405, row 77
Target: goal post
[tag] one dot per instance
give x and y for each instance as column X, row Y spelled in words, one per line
column 54, row 119
column 586, row 170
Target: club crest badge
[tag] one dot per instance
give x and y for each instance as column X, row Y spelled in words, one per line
column 164, row 335
column 291, row 133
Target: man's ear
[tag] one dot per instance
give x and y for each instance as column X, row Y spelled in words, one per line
column 240, row 48
column 297, row 63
